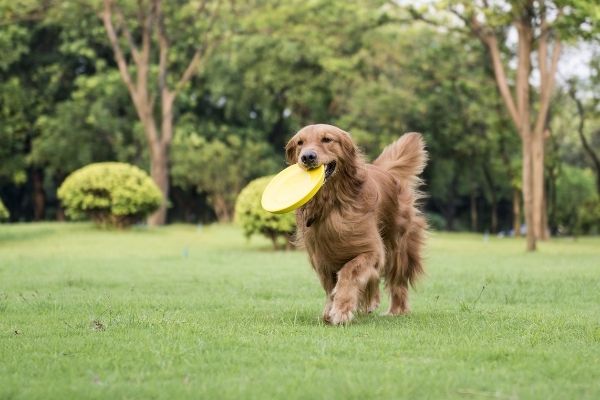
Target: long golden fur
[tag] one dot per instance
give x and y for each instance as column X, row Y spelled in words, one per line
column 363, row 224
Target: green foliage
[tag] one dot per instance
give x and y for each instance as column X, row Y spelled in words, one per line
column 576, row 200
column 113, row 194
column 219, row 168
column 4, row 214
column 589, row 216
column 281, row 70
column 253, row 219
column 93, row 125
column 14, row 128
column 435, row 221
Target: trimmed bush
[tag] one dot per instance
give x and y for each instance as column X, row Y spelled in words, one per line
column 253, row 219
column 4, row 214
column 110, row 194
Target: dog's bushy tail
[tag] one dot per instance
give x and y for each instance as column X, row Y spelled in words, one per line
column 405, row 158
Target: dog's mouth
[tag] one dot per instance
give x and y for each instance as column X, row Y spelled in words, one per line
column 329, row 169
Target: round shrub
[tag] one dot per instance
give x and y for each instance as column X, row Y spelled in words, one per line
column 250, row 215
column 4, row 214
column 109, row 193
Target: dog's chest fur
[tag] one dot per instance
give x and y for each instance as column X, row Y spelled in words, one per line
column 333, row 235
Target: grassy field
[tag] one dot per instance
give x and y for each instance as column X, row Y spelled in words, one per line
column 189, row 312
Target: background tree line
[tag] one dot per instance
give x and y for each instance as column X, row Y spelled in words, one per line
column 204, row 95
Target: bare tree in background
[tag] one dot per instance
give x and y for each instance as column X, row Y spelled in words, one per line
column 535, row 36
column 535, row 23
column 137, row 58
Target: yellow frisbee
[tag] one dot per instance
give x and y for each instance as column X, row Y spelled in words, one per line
column 292, row 188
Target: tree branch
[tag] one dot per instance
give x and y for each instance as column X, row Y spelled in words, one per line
column 163, row 44
column 489, row 39
column 139, row 92
column 416, row 15
column 127, row 33
column 201, row 7
column 190, row 70
column 543, row 51
column 491, row 42
column 192, row 67
column 119, row 56
column 144, row 58
column 523, row 73
column 547, row 79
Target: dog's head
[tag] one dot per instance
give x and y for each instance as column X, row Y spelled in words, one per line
column 321, row 144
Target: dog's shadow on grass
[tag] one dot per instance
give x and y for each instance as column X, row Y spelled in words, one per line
column 310, row 318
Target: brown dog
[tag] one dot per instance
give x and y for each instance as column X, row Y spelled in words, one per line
column 363, row 223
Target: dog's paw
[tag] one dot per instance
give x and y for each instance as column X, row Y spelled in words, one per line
column 338, row 316
column 373, row 306
column 396, row 312
column 326, row 311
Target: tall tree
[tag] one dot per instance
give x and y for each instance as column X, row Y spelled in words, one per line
column 143, row 48
column 535, row 23
column 531, row 21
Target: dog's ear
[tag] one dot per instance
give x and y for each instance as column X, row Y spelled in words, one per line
column 290, row 151
column 348, row 146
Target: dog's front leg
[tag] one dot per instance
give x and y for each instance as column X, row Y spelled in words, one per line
column 328, row 281
column 352, row 281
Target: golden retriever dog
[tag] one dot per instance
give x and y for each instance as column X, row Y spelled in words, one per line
column 364, row 223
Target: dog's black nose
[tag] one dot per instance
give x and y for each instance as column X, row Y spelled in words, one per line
column 308, row 157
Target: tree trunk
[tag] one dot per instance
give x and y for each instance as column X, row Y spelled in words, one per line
column 473, row 201
column 494, row 216
column 222, row 211
column 39, row 196
column 516, row 198
column 551, row 201
column 273, row 237
column 544, row 226
column 449, row 209
column 159, row 146
column 527, row 190
column 151, row 20
column 159, row 170
column 516, row 209
column 525, row 31
column 449, row 217
column 539, row 208
column 487, row 174
column 60, row 214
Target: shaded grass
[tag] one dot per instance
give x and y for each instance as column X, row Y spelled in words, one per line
column 196, row 312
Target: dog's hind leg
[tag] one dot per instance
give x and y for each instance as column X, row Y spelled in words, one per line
column 353, row 279
column 409, row 266
column 399, row 299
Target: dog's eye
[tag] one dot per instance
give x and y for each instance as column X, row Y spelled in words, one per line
column 327, row 140
column 300, row 142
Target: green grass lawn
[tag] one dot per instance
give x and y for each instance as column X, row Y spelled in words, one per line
column 201, row 313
